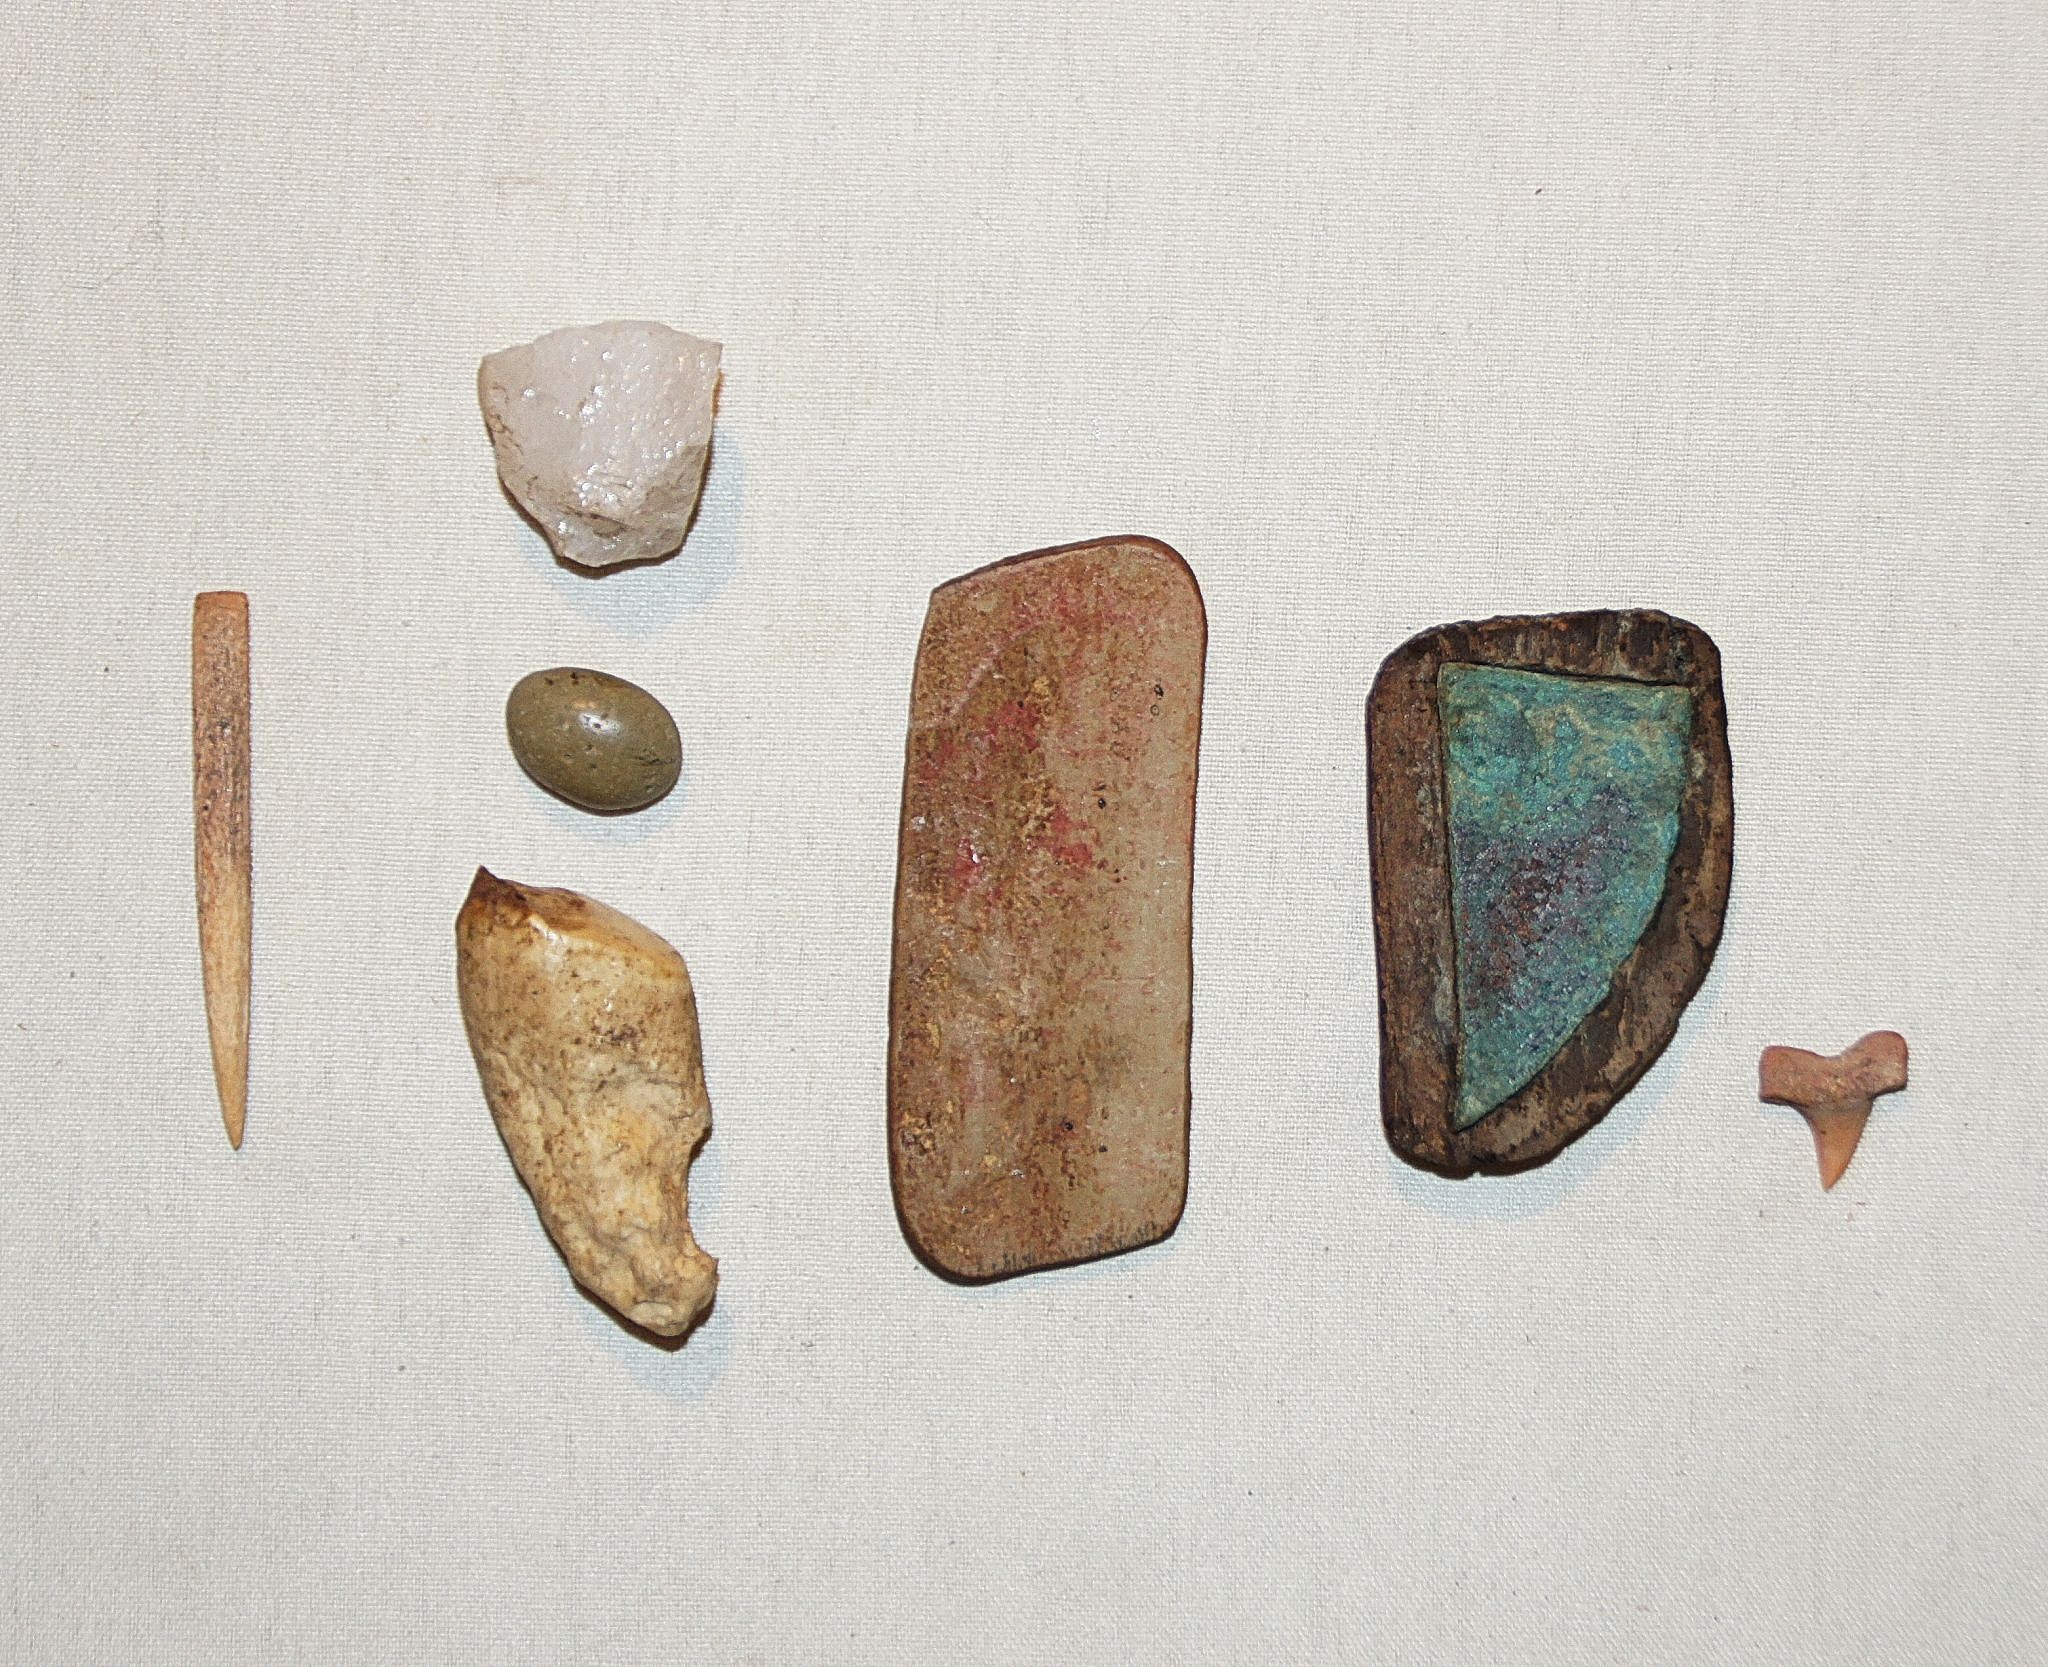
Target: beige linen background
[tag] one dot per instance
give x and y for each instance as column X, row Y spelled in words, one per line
column 1385, row 316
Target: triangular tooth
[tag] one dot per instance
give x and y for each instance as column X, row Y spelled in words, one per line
column 1834, row 1095
column 1836, row 1132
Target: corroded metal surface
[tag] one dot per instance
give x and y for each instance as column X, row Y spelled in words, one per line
column 1040, row 998
column 1563, row 813
column 1413, row 916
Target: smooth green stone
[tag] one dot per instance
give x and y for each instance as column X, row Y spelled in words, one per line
column 1564, row 795
column 593, row 739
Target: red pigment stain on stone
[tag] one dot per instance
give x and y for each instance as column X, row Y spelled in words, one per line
column 1030, row 982
column 1062, row 839
column 1013, row 720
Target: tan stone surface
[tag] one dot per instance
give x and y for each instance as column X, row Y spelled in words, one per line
column 1040, row 1008
column 584, row 1027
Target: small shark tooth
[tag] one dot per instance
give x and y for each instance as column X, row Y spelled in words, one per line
column 1834, row 1095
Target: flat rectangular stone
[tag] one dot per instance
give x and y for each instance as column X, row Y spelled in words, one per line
column 1041, row 995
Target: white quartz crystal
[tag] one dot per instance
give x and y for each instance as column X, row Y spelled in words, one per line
column 602, row 435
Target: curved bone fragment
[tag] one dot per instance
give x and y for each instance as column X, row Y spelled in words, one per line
column 1834, row 1095
column 584, row 1027
column 603, row 434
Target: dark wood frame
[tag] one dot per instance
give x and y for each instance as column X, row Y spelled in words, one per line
column 1622, row 1037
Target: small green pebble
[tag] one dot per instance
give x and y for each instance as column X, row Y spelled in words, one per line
column 593, row 739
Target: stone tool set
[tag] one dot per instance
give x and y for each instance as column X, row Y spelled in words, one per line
column 1551, row 821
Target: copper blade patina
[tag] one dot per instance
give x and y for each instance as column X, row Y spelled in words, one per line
column 1552, row 832
column 1040, row 1000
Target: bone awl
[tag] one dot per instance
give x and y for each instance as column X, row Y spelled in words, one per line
column 220, row 837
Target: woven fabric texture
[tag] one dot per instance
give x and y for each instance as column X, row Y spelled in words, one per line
column 1384, row 316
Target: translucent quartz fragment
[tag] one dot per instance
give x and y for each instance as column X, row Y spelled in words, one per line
column 603, row 434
